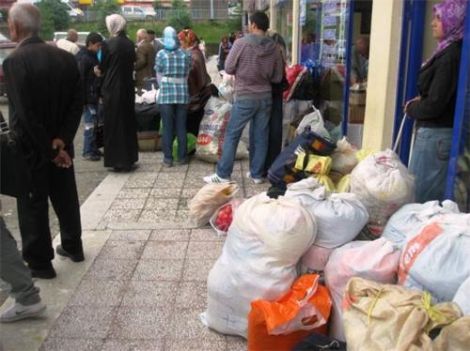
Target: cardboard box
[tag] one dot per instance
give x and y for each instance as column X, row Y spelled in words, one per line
column 148, row 141
column 357, row 97
column 356, row 114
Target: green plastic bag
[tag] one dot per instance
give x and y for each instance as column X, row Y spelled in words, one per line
column 191, row 145
column 191, row 141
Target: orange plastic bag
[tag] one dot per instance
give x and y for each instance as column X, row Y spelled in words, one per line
column 280, row 325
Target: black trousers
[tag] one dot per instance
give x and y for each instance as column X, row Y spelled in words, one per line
column 59, row 185
column 275, row 130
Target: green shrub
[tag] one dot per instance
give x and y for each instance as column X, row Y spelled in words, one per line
column 180, row 16
column 54, row 17
column 104, row 8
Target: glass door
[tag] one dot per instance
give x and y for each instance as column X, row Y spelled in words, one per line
column 458, row 178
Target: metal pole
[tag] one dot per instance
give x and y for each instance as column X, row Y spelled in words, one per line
column 295, row 31
column 272, row 14
column 212, row 9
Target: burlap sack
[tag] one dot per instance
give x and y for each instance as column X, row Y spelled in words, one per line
column 390, row 317
column 455, row 337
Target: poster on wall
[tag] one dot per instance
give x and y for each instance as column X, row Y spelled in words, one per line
column 333, row 32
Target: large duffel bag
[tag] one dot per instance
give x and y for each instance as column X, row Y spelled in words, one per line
column 283, row 171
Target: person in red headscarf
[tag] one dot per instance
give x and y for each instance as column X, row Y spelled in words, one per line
column 434, row 108
column 199, row 80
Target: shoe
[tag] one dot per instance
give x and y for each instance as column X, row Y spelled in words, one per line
column 77, row 257
column 181, row 163
column 18, row 311
column 47, row 273
column 255, row 180
column 99, row 152
column 91, row 157
column 125, row 169
column 167, row 164
column 215, row 179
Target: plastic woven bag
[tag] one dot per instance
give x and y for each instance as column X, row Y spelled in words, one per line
column 383, row 184
column 390, row 317
column 376, row 260
column 280, row 325
column 443, row 245
column 264, row 243
column 210, row 197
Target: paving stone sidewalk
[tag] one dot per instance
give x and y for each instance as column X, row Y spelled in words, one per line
column 143, row 284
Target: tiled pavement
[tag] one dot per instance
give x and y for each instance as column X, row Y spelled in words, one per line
column 143, row 284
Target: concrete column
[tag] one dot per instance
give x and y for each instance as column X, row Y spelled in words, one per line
column 272, row 14
column 295, row 31
column 384, row 56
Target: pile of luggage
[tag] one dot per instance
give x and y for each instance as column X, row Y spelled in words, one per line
column 327, row 267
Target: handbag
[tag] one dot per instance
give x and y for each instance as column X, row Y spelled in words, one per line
column 15, row 176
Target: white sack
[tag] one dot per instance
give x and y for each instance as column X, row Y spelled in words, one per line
column 340, row 216
column 408, row 221
column 344, row 157
column 373, row 260
column 315, row 259
column 462, row 297
column 383, row 184
column 438, row 259
column 315, row 121
column 210, row 139
column 264, row 243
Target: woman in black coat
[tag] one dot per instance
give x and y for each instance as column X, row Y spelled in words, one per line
column 434, row 108
column 120, row 126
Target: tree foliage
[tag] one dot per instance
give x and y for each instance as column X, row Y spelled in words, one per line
column 104, row 8
column 54, row 17
column 180, row 16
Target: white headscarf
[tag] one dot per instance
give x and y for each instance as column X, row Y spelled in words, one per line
column 115, row 24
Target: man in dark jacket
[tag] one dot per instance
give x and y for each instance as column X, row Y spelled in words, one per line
column 44, row 92
column 88, row 67
column 145, row 59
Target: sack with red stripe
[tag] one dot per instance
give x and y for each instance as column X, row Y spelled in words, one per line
column 438, row 259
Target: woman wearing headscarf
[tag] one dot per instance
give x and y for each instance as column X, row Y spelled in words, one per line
column 173, row 64
column 120, row 134
column 199, row 80
column 433, row 110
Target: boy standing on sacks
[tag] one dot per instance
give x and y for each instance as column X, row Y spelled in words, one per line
column 256, row 62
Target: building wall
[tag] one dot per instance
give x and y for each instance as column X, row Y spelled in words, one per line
column 384, row 58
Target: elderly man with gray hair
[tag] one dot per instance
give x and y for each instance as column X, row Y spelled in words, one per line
column 145, row 58
column 45, row 96
column 69, row 44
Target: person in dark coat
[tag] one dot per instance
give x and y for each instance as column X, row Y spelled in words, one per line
column 145, row 59
column 120, row 132
column 434, row 108
column 275, row 123
column 199, row 81
column 45, row 97
column 87, row 63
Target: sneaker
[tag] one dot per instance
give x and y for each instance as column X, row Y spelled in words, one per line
column 77, row 257
column 167, row 164
column 215, row 179
column 91, row 157
column 18, row 311
column 255, row 180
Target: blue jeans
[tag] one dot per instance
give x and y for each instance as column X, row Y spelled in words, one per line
column 257, row 112
column 174, row 123
column 429, row 162
column 89, row 117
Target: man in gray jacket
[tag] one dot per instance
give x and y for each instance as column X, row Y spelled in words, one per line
column 256, row 62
